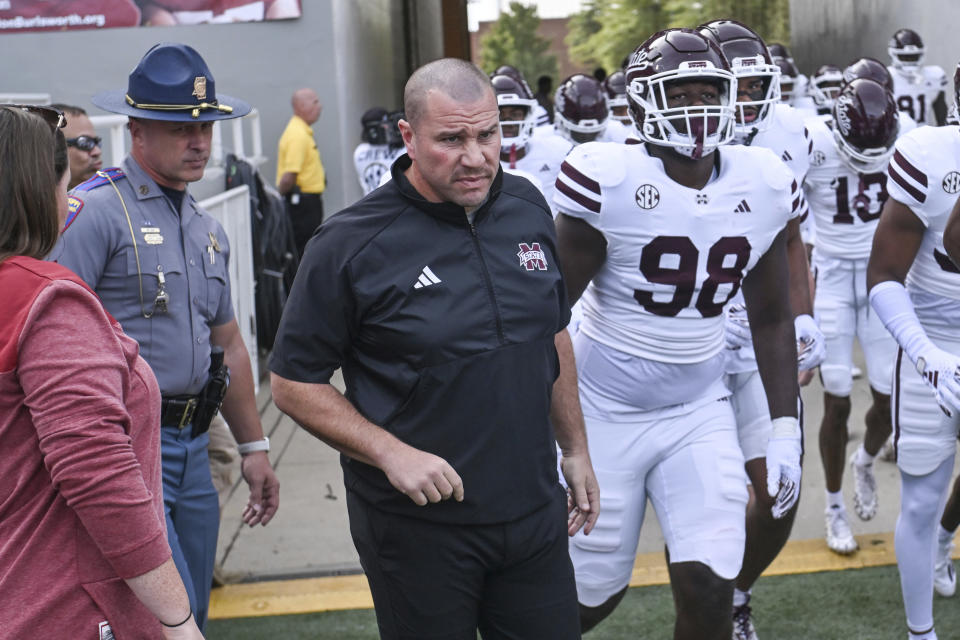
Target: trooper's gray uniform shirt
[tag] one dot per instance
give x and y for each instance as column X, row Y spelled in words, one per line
column 189, row 246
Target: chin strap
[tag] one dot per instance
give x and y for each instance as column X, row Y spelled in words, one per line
column 513, row 156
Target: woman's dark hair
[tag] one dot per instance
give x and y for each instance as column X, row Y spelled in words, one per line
column 61, row 162
column 29, row 220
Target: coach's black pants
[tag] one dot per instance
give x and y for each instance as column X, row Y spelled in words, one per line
column 430, row 581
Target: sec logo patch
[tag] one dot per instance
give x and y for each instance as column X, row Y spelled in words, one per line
column 951, row 182
column 647, row 196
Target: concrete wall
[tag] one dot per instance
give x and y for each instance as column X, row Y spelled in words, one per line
column 839, row 31
column 355, row 54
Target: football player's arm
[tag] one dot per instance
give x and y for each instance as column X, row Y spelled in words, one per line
column 940, row 109
column 895, row 245
column 801, row 303
column 582, row 250
column 951, row 234
column 583, row 493
column 324, row 412
column 774, row 341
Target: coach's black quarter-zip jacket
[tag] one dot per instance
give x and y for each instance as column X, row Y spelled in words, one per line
column 445, row 331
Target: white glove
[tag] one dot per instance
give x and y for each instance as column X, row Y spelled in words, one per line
column 736, row 329
column 941, row 372
column 811, row 345
column 783, row 464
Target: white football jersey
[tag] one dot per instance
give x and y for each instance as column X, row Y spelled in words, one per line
column 675, row 256
column 845, row 204
column 915, row 94
column 789, row 139
column 542, row 158
column 925, row 176
column 615, row 132
column 372, row 161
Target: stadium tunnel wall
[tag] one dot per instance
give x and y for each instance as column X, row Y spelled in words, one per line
column 355, row 54
column 839, row 31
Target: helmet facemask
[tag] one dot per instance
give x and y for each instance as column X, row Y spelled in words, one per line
column 762, row 102
column 869, row 160
column 692, row 131
column 907, row 58
column 825, row 87
column 520, row 130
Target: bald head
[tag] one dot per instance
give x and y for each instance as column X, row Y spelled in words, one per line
column 306, row 104
column 460, row 80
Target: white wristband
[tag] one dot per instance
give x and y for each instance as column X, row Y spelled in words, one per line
column 785, row 427
column 256, row 445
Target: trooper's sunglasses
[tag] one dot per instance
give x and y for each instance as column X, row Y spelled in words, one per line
column 51, row 116
column 84, row 143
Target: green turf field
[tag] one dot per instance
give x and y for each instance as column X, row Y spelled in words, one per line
column 841, row 605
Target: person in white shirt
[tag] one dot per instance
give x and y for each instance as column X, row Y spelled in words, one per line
column 381, row 145
column 918, row 88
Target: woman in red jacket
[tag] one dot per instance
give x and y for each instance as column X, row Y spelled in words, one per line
column 83, row 551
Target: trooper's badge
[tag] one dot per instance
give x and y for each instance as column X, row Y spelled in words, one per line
column 200, row 88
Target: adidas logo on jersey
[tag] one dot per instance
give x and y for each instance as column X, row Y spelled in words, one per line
column 786, row 157
column 743, row 207
column 545, row 167
column 427, row 278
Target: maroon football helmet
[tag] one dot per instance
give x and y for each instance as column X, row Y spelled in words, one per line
column 868, row 68
column 748, row 58
column 777, row 50
column 513, row 72
column 865, row 125
column 669, row 58
column 513, row 93
column 906, row 51
column 615, row 88
column 788, row 78
column 580, row 108
column 825, row 85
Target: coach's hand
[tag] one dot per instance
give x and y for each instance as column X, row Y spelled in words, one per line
column 783, row 465
column 421, row 476
column 583, row 492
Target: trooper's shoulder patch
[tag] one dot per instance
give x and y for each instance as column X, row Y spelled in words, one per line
column 74, row 205
column 101, row 178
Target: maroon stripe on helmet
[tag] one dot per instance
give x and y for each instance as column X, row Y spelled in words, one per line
column 918, row 195
column 576, row 196
column 568, row 169
column 910, row 170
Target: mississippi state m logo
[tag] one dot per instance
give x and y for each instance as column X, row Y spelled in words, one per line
column 531, row 257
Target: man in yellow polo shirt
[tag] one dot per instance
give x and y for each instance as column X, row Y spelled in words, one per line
column 300, row 176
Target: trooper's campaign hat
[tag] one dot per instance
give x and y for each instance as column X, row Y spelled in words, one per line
column 172, row 82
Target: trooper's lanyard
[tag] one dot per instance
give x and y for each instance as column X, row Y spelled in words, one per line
column 161, row 300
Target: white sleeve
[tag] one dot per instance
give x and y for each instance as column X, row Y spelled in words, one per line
column 907, row 182
column 578, row 191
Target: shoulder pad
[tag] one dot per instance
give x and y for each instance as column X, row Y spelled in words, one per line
column 101, row 178
column 603, row 161
column 788, row 118
column 775, row 172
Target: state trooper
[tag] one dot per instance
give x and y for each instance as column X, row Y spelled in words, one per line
column 159, row 264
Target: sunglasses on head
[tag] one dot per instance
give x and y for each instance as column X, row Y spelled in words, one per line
column 84, row 143
column 51, row 116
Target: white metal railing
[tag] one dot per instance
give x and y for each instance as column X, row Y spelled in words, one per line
column 25, row 98
column 232, row 210
column 116, row 140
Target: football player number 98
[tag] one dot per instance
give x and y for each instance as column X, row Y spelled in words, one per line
column 684, row 275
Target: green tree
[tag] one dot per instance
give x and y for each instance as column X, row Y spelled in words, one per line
column 607, row 30
column 513, row 40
